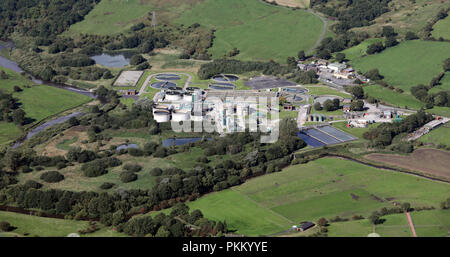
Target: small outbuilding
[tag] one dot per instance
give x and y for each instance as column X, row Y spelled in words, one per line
column 128, row 92
column 305, row 226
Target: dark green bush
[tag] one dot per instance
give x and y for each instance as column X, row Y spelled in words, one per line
column 107, row 185
column 132, row 167
column 156, row 172
column 33, row 184
column 52, row 176
column 128, row 176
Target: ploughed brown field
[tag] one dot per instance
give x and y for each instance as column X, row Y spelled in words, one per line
column 431, row 161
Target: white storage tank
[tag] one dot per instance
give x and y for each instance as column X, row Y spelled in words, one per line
column 161, row 115
column 173, row 96
column 181, row 115
column 187, row 97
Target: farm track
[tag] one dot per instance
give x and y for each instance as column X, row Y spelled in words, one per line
column 322, row 36
column 411, row 225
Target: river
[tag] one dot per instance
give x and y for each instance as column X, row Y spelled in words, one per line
column 6, row 63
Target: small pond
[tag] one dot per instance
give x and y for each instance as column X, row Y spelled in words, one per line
column 225, row 78
column 112, row 60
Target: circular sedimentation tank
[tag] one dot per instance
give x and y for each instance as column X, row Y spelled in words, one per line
column 167, row 76
column 222, row 86
column 225, row 78
column 295, row 90
column 163, row 85
column 192, row 88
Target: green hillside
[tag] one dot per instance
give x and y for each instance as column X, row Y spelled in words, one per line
column 323, row 188
column 258, row 30
column 442, row 29
column 408, row 64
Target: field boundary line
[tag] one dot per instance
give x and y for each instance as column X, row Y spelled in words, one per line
column 265, row 208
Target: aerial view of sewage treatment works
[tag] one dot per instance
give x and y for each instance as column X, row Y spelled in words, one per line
column 272, row 120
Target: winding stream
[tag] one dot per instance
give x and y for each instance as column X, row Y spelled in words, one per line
column 6, row 63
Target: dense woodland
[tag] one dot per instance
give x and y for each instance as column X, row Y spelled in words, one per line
column 384, row 134
column 43, row 18
column 351, row 14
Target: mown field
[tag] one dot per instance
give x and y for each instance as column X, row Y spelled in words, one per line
column 323, row 188
column 438, row 136
column 49, row 227
column 391, row 97
column 294, row 3
column 38, row 101
column 258, row 30
column 442, row 29
column 395, row 225
column 403, row 66
column 431, row 223
column 325, row 90
column 407, row 64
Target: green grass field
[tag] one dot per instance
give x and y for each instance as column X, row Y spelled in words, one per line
column 111, row 17
column 240, row 213
column 357, row 132
column 444, row 84
column 395, row 225
column 360, row 49
column 407, row 64
column 247, row 25
column 258, row 30
column 325, row 90
column 438, row 136
column 431, row 223
column 38, row 102
column 442, row 29
column 391, row 97
column 49, row 227
column 322, row 188
column 8, row 132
